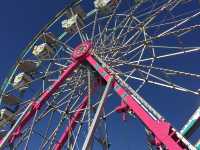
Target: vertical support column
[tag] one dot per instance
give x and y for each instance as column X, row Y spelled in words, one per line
column 72, row 124
column 162, row 130
column 89, row 94
column 88, row 141
column 89, row 98
column 191, row 126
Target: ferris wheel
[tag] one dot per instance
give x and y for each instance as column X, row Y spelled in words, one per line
column 99, row 63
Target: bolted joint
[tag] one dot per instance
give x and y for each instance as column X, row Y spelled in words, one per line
column 82, row 51
column 122, row 108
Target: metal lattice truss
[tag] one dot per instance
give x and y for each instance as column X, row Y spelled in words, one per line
column 59, row 93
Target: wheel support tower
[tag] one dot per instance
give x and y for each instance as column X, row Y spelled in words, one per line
column 162, row 131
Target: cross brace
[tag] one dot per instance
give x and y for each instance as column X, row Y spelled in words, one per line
column 162, row 130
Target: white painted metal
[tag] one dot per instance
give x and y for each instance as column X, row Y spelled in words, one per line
column 89, row 137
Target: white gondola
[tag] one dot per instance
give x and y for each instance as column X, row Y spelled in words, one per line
column 105, row 6
column 49, row 38
column 28, row 66
column 22, row 81
column 6, row 117
column 72, row 24
column 43, row 51
column 10, row 100
column 76, row 10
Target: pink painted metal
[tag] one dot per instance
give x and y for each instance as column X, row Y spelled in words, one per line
column 36, row 105
column 122, row 108
column 72, row 124
column 82, row 50
column 161, row 129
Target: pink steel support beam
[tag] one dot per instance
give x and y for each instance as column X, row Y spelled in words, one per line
column 35, row 106
column 161, row 129
column 72, row 124
column 79, row 54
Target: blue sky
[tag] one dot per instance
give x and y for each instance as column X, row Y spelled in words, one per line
column 21, row 20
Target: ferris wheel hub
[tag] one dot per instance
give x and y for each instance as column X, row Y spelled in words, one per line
column 82, row 50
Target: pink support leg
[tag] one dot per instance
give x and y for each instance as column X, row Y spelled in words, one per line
column 160, row 128
column 72, row 124
column 43, row 98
